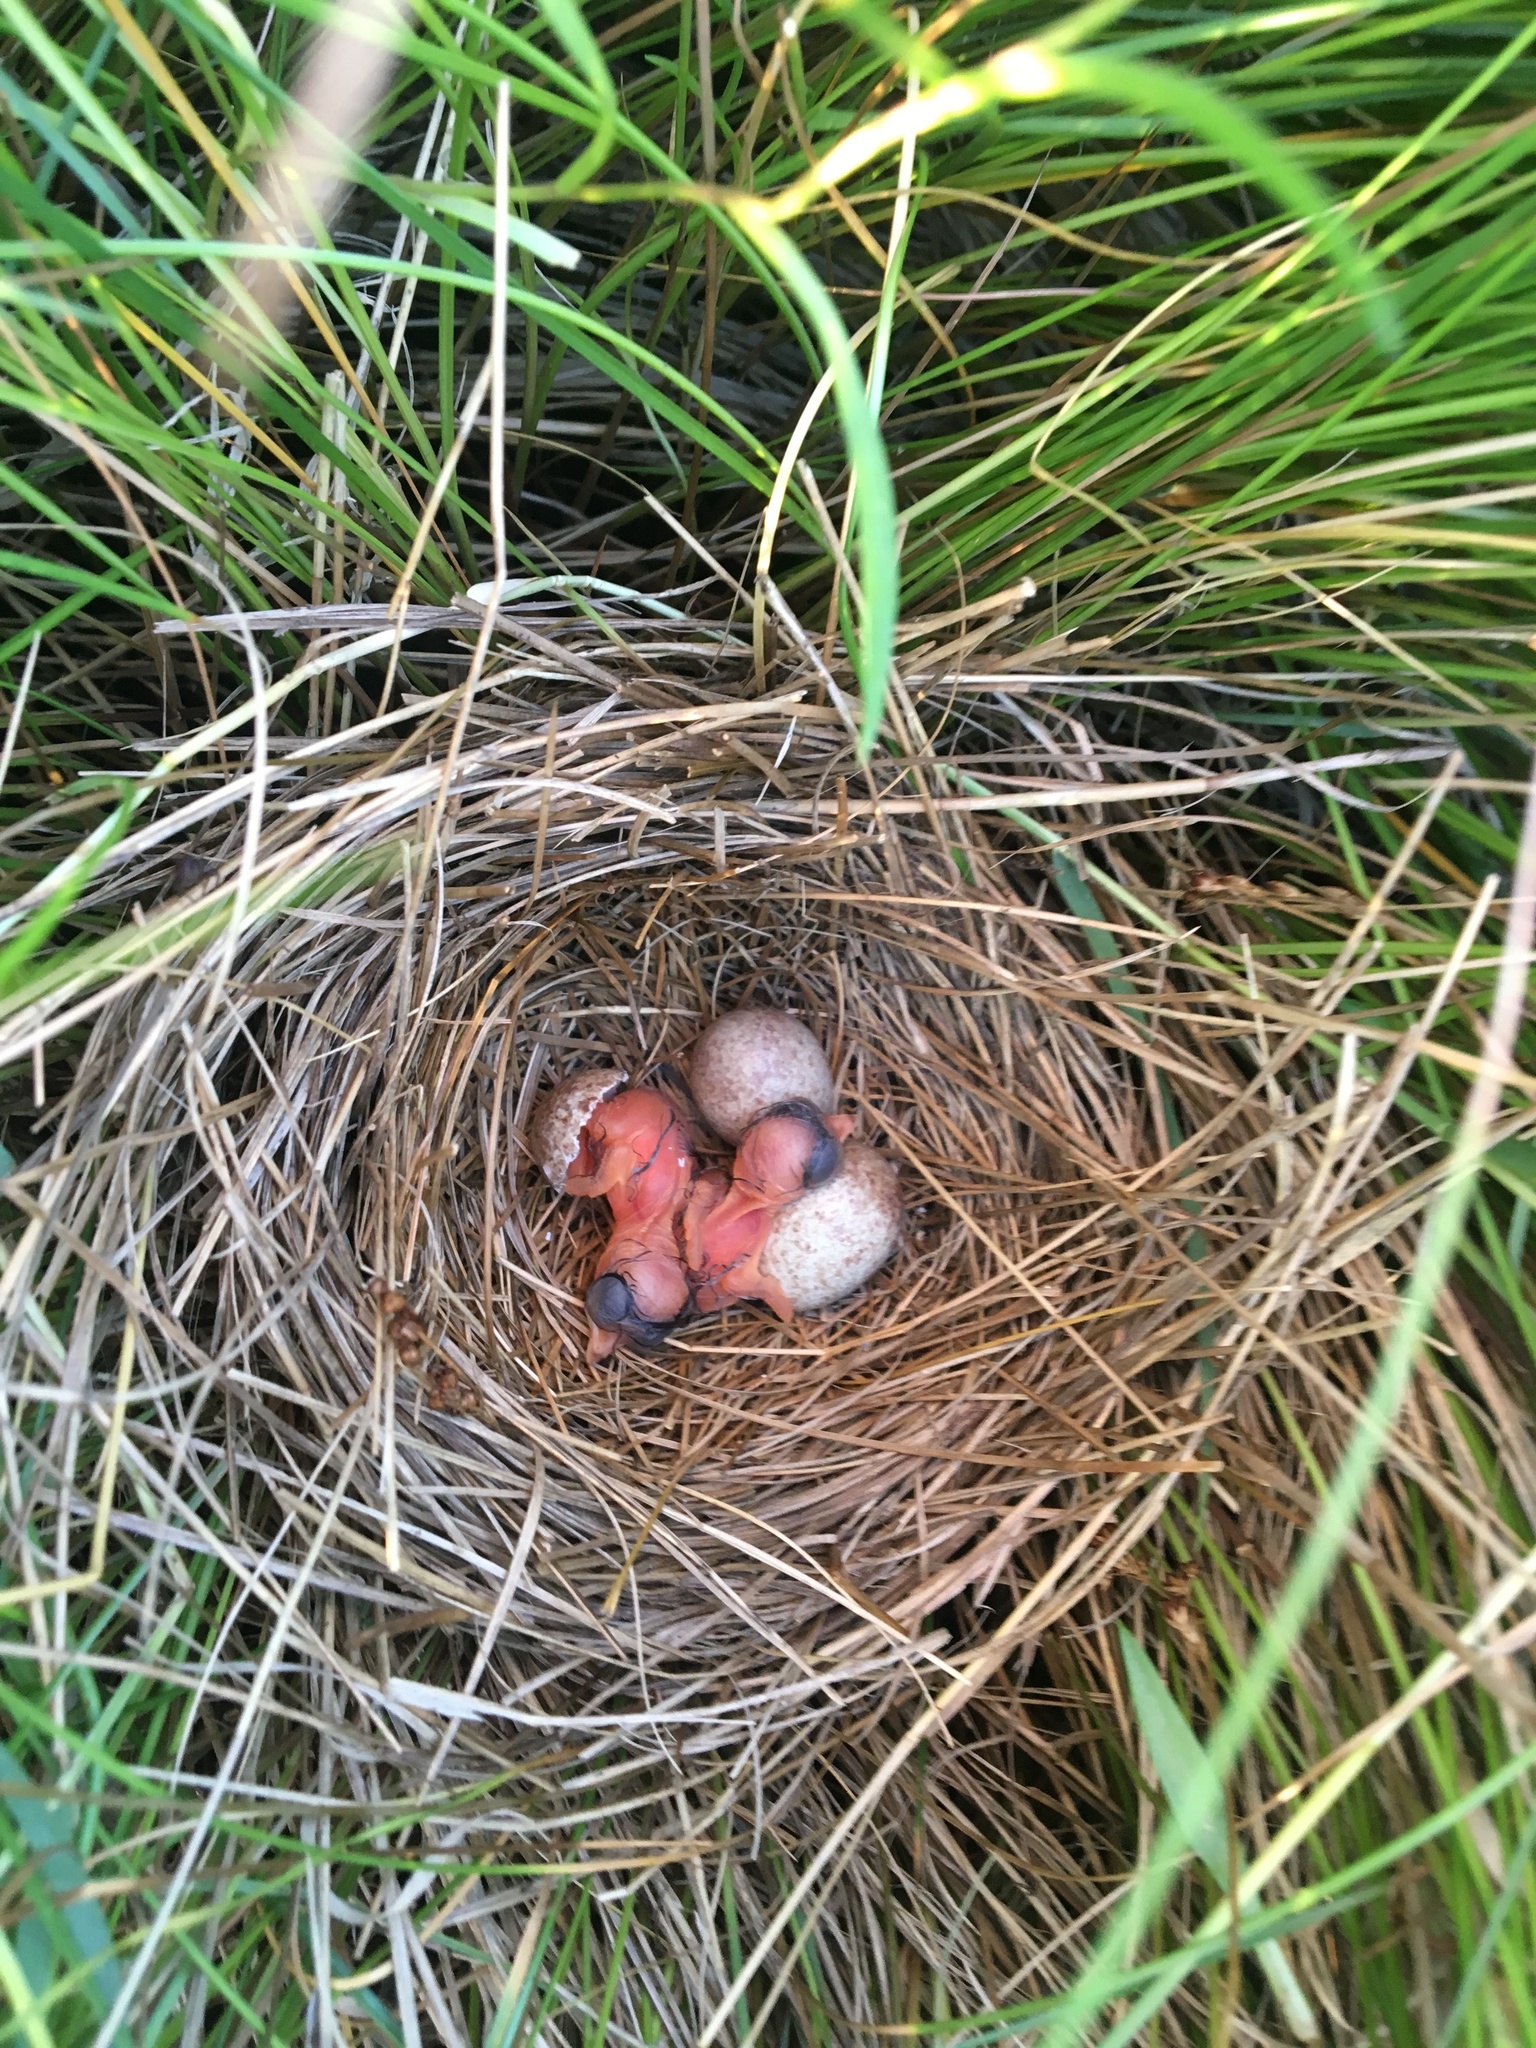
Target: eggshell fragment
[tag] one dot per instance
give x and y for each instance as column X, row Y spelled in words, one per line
column 564, row 1114
column 835, row 1237
column 749, row 1060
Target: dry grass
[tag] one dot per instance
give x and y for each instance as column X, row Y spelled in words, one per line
column 841, row 1590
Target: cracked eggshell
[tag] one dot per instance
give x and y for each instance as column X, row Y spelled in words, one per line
column 564, row 1114
column 834, row 1238
column 749, row 1060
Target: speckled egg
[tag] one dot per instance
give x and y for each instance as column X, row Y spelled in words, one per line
column 748, row 1060
column 834, row 1238
column 564, row 1114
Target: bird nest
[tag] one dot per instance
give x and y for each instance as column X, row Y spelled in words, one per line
column 295, row 1353
column 352, row 1342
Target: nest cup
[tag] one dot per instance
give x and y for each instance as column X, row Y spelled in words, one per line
column 749, row 1489
column 362, row 1286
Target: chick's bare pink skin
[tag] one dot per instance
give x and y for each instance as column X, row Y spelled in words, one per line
column 635, row 1151
column 792, row 1148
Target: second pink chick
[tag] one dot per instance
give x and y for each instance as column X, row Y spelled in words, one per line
column 792, row 1148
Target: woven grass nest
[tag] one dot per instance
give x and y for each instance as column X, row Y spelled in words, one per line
column 752, row 1500
column 349, row 1217
column 296, row 1143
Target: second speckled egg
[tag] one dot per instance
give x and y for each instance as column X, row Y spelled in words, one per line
column 837, row 1236
column 749, row 1060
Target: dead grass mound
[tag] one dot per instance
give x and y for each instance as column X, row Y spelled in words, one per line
column 342, row 1310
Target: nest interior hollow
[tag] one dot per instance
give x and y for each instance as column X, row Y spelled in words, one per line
column 870, row 1446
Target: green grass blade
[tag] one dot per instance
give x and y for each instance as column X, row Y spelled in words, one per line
column 1219, row 118
column 1194, row 1796
column 1509, row 1893
column 874, row 496
column 47, row 1832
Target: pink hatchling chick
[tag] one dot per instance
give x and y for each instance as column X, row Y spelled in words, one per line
column 635, row 1151
column 791, row 1148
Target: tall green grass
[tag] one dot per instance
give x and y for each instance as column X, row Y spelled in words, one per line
column 1217, row 327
